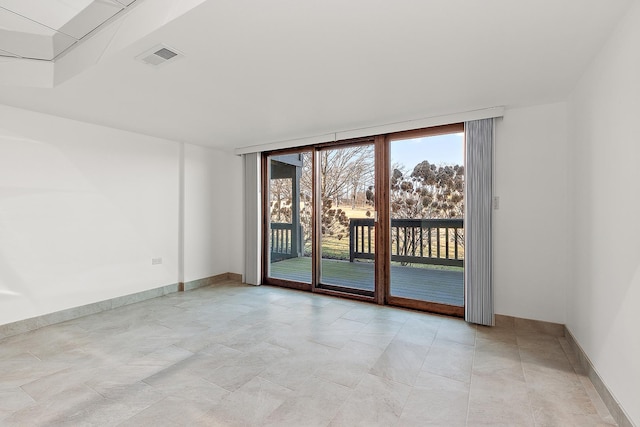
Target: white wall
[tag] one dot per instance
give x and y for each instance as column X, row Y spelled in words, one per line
column 603, row 310
column 213, row 213
column 531, row 229
column 84, row 209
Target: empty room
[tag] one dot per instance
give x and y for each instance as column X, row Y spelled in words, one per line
column 286, row 213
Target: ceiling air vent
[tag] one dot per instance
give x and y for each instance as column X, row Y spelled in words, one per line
column 159, row 55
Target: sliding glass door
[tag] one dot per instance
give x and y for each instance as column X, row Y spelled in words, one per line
column 288, row 211
column 346, row 219
column 319, row 228
column 379, row 219
column 426, row 226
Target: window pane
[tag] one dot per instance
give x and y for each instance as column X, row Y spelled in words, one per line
column 347, row 226
column 427, row 211
column 289, row 213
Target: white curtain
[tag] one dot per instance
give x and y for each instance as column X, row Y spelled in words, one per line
column 478, row 205
column 252, row 213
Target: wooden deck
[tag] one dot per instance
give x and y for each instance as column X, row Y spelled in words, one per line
column 425, row 284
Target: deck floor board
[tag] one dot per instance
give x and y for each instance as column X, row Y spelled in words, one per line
column 424, row 284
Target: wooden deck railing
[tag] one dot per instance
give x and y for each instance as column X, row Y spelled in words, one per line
column 281, row 240
column 285, row 241
column 421, row 241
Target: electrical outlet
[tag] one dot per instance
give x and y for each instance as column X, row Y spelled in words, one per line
column 156, row 261
column 496, row 203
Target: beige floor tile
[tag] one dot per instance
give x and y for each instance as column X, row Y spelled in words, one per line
column 498, row 360
column 250, row 405
column 243, row 355
column 360, row 314
column 170, row 411
column 436, row 401
column 313, row 404
column 498, row 401
column 525, row 326
column 63, row 408
column 177, row 381
column 450, row 359
column 209, row 359
column 296, row 340
column 393, row 314
column 326, row 313
column 121, row 402
column 244, row 339
column 336, row 334
column 350, row 364
column 401, row 362
column 419, row 331
column 55, row 340
column 554, row 377
column 494, row 334
column 292, row 372
column 234, row 373
column 457, row 330
column 268, row 352
column 13, row 399
column 165, row 356
column 374, row 402
column 551, row 408
column 112, row 377
column 52, row 385
column 378, row 332
column 24, row 368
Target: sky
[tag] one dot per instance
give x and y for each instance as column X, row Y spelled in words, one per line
column 441, row 149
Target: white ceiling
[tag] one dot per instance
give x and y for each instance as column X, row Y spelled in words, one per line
column 256, row 72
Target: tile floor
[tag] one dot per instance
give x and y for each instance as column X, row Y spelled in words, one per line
column 240, row 355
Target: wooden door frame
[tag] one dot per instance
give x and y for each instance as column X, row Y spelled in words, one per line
column 389, row 299
column 266, row 228
column 382, row 175
column 382, row 223
column 318, row 287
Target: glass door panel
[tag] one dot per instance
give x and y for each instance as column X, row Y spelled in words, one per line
column 346, row 213
column 426, row 224
column 289, row 213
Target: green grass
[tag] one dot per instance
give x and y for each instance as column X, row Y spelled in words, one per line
column 335, row 248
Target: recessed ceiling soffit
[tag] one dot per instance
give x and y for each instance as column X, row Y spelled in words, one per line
column 45, row 29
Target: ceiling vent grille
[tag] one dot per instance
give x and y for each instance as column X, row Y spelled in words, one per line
column 159, row 55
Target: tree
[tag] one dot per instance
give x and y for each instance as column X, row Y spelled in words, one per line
column 280, row 200
column 343, row 171
column 335, row 222
column 430, row 191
